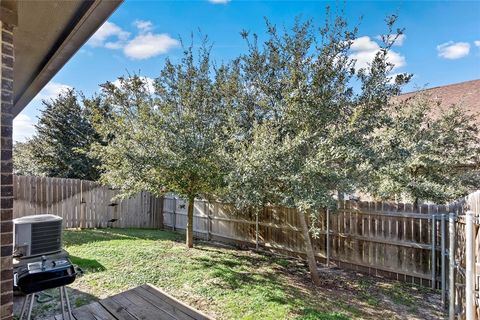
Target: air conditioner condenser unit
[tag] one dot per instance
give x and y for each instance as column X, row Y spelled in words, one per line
column 37, row 235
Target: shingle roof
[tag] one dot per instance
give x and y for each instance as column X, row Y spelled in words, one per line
column 464, row 94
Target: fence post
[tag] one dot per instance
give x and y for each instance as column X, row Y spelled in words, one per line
column 328, row 237
column 256, row 229
column 451, row 273
column 442, row 259
column 434, row 258
column 209, row 222
column 174, row 216
column 469, row 266
column 82, row 207
column 162, row 211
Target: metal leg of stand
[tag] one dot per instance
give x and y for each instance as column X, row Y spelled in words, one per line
column 32, row 300
column 69, row 308
column 63, row 303
column 24, row 306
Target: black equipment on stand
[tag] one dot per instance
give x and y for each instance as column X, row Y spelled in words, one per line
column 42, row 275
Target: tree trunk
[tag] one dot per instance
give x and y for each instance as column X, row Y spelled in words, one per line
column 415, row 204
column 312, row 263
column 191, row 202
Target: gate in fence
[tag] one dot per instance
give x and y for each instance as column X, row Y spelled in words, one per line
column 464, row 267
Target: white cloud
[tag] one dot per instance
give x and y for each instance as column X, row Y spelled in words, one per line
column 219, row 1
column 23, row 127
column 148, row 45
column 143, row 25
column 115, row 45
column 86, row 52
column 150, row 84
column 51, row 91
column 144, row 45
column 364, row 50
column 116, row 83
column 107, row 31
column 453, row 50
column 392, row 77
column 477, row 43
column 364, row 44
column 397, row 40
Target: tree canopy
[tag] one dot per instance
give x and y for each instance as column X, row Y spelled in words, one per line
column 292, row 122
column 24, row 161
column 62, row 140
column 426, row 153
column 306, row 118
column 167, row 140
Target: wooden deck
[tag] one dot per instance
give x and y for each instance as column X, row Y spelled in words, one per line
column 141, row 303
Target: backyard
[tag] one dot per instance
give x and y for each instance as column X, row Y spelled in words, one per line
column 228, row 283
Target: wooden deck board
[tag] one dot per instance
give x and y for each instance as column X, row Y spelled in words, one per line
column 117, row 309
column 177, row 303
column 138, row 306
column 142, row 303
column 83, row 314
column 162, row 304
column 100, row 313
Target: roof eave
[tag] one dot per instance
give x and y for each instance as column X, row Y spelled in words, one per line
column 89, row 18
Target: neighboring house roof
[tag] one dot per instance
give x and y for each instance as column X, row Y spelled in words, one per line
column 47, row 34
column 464, row 94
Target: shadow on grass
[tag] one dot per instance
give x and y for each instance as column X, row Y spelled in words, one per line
column 252, row 260
column 85, row 236
column 263, row 281
column 272, row 278
column 285, row 282
column 312, row 314
column 47, row 303
column 87, row 265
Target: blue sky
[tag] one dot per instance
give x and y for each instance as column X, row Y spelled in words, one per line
column 441, row 43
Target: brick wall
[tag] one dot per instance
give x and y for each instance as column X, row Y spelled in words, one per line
column 6, row 178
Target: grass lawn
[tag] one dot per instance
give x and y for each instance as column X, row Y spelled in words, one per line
column 234, row 284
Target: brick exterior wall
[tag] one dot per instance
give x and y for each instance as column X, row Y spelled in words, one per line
column 6, row 177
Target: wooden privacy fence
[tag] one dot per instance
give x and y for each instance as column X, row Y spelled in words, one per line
column 391, row 240
column 84, row 204
column 464, row 268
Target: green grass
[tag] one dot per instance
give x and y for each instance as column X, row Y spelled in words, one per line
column 365, row 292
column 221, row 281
